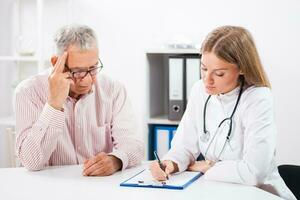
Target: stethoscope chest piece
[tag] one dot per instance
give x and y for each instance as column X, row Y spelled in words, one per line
column 205, row 137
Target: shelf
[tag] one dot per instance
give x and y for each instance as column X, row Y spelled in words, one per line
column 7, row 121
column 172, row 51
column 162, row 119
column 19, row 58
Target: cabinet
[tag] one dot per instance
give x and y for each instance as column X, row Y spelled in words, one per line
column 25, row 53
column 20, row 57
column 26, row 29
column 157, row 60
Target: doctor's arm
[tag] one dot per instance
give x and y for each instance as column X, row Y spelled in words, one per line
column 259, row 146
column 184, row 147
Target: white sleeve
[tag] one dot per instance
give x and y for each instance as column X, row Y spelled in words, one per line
column 259, row 144
column 184, row 146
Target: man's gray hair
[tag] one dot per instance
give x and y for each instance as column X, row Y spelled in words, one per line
column 81, row 36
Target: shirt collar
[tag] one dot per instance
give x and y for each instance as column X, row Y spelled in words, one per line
column 229, row 96
column 82, row 96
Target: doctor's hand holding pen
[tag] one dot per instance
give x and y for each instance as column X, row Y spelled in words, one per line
column 161, row 172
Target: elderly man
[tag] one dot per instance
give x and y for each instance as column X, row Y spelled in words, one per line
column 74, row 114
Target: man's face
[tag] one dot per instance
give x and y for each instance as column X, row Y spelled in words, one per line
column 81, row 60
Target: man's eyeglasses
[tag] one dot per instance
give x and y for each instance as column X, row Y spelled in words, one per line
column 81, row 73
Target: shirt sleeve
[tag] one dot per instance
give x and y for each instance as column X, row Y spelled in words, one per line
column 37, row 131
column 127, row 147
column 259, row 145
column 185, row 146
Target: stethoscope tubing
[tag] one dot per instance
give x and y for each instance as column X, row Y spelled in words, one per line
column 206, row 132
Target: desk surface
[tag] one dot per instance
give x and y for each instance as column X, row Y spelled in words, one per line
column 66, row 182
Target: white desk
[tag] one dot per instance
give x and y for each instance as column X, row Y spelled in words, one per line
column 67, row 183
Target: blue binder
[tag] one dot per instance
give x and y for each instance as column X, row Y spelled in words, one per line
column 176, row 182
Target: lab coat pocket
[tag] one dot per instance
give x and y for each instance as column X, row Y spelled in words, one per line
column 101, row 139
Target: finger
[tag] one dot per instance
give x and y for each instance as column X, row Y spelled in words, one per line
column 169, row 167
column 97, row 172
column 55, row 67
column 67, row 75
column 91, row 169
column 71, row 81
column 94, row 163
column 94, row 159
column 102, row 171
column 60, row 65
column 157, row 172
column 101, row 165
column 89, row 163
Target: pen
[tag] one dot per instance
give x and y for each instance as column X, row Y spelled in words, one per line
column 160, row 163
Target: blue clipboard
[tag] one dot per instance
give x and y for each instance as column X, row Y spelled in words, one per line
column 176, row 182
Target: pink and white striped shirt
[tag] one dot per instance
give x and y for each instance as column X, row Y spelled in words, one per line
column 101, row 121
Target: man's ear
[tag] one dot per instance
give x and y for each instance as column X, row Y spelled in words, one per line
column 54, row 60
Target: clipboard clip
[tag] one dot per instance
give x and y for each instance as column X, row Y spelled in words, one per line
column 148, row 183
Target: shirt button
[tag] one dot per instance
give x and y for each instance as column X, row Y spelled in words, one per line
column 78, row 148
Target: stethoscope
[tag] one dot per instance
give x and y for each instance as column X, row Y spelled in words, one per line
column 206, row 134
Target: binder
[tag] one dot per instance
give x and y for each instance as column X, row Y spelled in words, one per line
column 192, row 73
column 163, row 136
column 176, row 181
column 176, row 88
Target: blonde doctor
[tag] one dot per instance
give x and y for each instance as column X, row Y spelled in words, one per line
column 229, row 118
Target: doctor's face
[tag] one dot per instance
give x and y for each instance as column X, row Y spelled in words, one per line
column 218, row 76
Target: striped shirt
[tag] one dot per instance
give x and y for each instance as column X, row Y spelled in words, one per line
column 101, row 121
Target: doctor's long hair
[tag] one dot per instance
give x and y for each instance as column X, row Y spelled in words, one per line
column 235, row 45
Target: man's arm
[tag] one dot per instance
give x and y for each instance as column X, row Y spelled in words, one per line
column 128, row 150
column 37, row 132
column 127, row 147
column 38, row 126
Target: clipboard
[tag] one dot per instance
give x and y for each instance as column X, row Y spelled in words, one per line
column 176, row 181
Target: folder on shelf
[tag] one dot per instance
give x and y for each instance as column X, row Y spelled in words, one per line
column 192, row 73
column 163, row 136
column 176, row 88
column 176, row 181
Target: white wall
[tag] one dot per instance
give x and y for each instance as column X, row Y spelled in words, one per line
column 127, row 28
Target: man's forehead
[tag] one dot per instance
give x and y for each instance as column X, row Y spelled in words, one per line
column 82, row 58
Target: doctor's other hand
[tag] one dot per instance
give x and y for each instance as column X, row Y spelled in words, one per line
column 159, row 174
column 101, row 165
column 201, row 166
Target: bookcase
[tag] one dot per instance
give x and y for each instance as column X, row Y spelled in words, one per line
column 157, row 60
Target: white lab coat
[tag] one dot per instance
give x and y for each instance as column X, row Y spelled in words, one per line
column 249, row 157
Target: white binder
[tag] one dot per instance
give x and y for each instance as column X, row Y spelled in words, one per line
column 192, row 74
column 162, row 139
column 163, row 136
column 176, row 88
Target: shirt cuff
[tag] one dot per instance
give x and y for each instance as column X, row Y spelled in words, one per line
column 122, row 156
column 52, row 117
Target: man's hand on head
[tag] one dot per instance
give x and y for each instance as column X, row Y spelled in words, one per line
column 101, row 165
column 59, row 83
